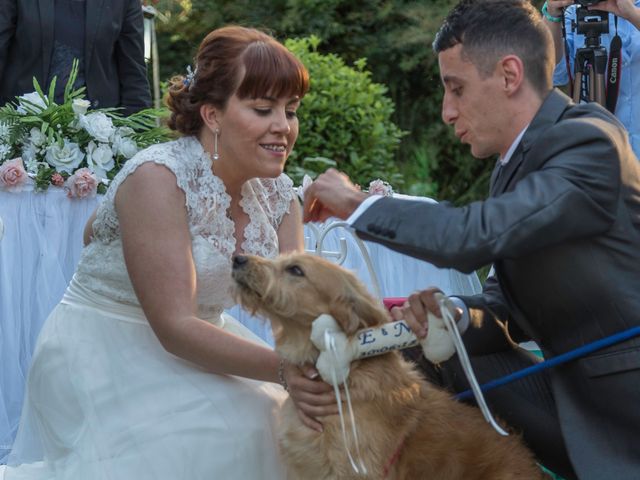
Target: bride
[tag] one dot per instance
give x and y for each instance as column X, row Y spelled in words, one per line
column 137, row 373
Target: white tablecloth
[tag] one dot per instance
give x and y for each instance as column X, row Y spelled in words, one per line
column 38, row 254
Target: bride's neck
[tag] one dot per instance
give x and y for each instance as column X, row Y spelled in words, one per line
column 232, row 179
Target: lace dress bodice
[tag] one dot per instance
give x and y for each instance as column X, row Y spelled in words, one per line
column 102, row 268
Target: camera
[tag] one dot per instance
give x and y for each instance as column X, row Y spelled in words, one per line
column 586, row 3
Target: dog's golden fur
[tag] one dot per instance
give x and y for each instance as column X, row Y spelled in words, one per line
column 442, row 439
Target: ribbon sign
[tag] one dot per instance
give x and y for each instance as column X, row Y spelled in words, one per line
column 437, row 346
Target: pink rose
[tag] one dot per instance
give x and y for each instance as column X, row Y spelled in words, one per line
column 13, row 175
column 81, row 184
column 380, row 187
column 57, row 180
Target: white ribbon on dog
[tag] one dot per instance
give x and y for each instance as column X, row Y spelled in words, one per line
column 337, row 352
column 330, row 346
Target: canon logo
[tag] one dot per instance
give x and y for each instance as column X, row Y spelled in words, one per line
column 613, row 77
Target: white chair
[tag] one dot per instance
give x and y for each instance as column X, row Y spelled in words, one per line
column 385, row 272
column 321, row 232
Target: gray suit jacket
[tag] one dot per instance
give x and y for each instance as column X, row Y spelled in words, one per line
column 115, row 71
column 562, row 229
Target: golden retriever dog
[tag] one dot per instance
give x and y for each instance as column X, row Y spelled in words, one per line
column 408, row 429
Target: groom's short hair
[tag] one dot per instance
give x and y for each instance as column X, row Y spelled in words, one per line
column 490, row 29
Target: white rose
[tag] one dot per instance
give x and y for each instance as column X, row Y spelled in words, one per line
column 100, row 159
column 124, row 146
column 125, row 131
column 80, row 106
column 29, row 152
column 37, row 137
column 65, row 159
column 35, row 103
column 98, row 125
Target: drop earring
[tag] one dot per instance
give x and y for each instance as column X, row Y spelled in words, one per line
column 216, row 132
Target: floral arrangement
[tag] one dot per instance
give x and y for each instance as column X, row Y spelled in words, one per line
column 376, row 187
column 69, row 145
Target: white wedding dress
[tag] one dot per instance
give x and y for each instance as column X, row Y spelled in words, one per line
column 104, row 400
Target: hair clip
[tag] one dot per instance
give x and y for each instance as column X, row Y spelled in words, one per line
column 189, row 77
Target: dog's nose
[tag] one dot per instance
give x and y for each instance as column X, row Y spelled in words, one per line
column 240, row 261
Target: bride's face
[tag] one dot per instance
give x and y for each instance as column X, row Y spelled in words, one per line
column 258, row 134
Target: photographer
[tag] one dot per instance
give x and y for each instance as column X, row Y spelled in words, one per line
column 628, row 28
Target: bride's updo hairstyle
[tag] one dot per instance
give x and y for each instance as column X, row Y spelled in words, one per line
column 231, row 60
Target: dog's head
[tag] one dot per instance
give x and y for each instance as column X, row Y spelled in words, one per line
column 293, row 290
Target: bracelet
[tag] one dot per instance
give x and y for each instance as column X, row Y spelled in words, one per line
column 281, row 378
column 548, row 16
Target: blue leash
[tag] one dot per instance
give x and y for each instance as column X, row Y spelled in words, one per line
column 552, row 362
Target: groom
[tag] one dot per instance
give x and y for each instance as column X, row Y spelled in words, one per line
column 561, row 227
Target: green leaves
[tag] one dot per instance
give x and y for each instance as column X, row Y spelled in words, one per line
column 345, row 120
column 43, row 177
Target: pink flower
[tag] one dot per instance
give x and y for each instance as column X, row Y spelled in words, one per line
column 13, row 175
column 57, row 180
column 380, row 187
column 83, row 183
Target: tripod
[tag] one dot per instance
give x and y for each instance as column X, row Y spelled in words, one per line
column 591, row 60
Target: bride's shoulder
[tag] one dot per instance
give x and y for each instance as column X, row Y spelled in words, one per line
column 169, row 153
column 180, row 156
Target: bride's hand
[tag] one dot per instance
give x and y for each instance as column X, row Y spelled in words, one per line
column 312, row 397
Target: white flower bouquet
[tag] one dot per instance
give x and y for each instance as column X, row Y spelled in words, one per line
column 69, row 145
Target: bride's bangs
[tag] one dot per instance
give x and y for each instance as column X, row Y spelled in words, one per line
column 272, row 71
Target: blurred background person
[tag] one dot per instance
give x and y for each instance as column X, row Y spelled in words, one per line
column 627, row 27
column 41, row 39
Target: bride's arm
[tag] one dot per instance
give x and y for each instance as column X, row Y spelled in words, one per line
column 290, row 233
column 87, row 234
column 157, row 249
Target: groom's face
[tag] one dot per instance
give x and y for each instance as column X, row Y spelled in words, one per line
column 472, row 104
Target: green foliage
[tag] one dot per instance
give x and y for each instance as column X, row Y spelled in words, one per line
column 345, row 117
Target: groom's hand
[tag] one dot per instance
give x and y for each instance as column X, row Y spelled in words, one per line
column 331, row 195
column 415, row 309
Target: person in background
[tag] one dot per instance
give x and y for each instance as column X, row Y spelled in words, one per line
column 628, row 27
column 561, row 227
column 138, row 373
column 41, row 39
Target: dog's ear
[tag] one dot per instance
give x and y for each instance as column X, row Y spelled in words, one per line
column 356, row 309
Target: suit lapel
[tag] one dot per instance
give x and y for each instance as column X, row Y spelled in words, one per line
column 92, row 22
column 47, row 22
column 519, row 164
column 495, row 174
column 508, row 171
